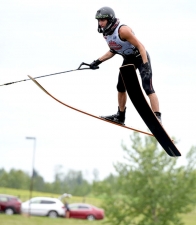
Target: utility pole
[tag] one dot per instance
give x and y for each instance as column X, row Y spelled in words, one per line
column 33, row 162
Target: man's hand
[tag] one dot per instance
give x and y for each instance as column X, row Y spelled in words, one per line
column 94, row 64
column 146, row 69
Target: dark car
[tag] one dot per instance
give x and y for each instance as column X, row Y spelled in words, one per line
column 9, row 204
column 85, row 211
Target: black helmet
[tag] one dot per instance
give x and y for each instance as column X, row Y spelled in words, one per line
column 105, row 13
column 108, row 14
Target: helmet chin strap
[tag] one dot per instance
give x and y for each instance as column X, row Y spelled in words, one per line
column 100, row 29
column 110, row 26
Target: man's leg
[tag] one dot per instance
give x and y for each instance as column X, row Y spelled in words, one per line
column 146, row 76
column 122, row 99
column 154, row 102
column 155, row 105
column 119, row 117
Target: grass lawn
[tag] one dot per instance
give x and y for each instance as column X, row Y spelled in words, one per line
column 23, row 220
column 188, row 219
column 24, row 196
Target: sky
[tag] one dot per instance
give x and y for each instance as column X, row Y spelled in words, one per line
column 44, row 37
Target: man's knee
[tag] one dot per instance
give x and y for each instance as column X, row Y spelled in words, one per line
column 121, row 88
column 147, row 86
column 148, row 89
column 149, row 92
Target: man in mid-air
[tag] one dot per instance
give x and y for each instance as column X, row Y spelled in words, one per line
column 122, row 40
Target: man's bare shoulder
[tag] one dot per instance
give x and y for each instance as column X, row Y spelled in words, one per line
column 125, row 28
column 125, row 31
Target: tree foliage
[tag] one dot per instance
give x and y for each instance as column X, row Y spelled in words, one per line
column 72, row 182
column 150, row 187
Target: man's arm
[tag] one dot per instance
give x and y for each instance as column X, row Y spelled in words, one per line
column 106, row 56
column 126, row 33
column 94, row 64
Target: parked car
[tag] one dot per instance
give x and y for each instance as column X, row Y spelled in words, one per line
column 43, row 206
column 9, row 204
column 85, row 211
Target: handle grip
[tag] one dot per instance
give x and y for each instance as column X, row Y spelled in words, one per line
column 83, row 64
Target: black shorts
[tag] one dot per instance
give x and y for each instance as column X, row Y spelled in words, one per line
column 146, row 83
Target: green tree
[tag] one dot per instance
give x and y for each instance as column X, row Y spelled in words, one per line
column 14, row 179
column 150, row 187
column 75, row 184
column 72, row 182
column 38, row 182
column 57, row 185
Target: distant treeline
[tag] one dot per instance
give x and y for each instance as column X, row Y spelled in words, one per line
column 73, row 182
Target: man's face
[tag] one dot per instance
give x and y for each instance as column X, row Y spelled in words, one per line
column 102, row 22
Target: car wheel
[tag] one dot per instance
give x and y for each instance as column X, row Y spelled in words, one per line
column 53, row 214
column 9, row 211
column 90, row 217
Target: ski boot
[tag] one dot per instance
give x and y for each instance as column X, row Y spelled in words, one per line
column 119, row 117
column 158, row 115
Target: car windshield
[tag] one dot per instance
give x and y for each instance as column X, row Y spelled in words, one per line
column 73, row 206
column 47, row 202
column 77, row 206
column 83, row 207
column 3, row 199
column 35, row 201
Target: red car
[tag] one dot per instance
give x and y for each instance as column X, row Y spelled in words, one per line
column 9, row 204
column 85, row 211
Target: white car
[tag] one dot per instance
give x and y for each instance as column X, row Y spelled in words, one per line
column 43, row 206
